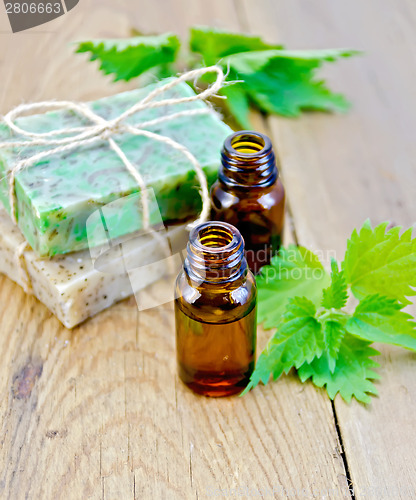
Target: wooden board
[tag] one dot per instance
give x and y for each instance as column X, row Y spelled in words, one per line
column 98, row 412
column 340, row 170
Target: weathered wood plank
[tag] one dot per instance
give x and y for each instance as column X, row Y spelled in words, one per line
column 340, row 170
column 98, row 412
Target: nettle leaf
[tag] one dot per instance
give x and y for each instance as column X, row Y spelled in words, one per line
column 380, row 319
column 333, row 325
column 336, row 294
column 380, row 266
column 333, row 334
column 127, row 58
column 283, row 82
column 295, row 271
column 214, row 44
column 273, row 79
column 353, row 374
column 298, row 339
column 380, row 261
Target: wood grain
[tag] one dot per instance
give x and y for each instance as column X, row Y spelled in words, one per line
column 98, row 412
column 340, row 170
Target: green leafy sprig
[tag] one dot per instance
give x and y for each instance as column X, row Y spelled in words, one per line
column 260, row 75
column 128, row 58
column 315, row 334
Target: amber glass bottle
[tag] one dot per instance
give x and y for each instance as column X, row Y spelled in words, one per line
column 215, row 311
column 250, row 195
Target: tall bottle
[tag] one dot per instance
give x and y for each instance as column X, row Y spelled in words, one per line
column 215, row 311
column 250, row 195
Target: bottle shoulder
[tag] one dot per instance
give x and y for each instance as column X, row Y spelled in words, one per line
column 248, row 197
column 212, row 303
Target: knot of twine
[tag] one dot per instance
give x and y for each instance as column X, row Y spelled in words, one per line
column 101, row 129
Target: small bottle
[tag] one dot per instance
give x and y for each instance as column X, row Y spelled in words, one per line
column 250, row 195
column 215, row 312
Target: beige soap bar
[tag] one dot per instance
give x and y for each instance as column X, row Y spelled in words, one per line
column 74, row 287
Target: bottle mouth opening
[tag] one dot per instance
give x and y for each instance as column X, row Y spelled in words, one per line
column 248, row 160
column 215, row 237
column 215, row 253
column 247, row 144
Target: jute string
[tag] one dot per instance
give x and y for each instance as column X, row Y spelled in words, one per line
column 101, row 129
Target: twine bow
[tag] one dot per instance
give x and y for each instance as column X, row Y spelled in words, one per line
column 102, row 129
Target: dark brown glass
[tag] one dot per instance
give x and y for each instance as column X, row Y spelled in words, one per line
column 215, row 311
column 250, row 195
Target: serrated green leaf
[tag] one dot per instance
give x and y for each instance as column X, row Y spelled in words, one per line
column 130, row 57
column 333, row 324
column 380, row 261
column 336, row 294
column 283, row 82
column 353, row 374
column 297, row 340
column 333, row 334
column 214, row 43
column 295, row 271
column 380, row 319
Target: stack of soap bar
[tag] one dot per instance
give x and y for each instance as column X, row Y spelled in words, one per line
column 56, row 196
column 74, row 287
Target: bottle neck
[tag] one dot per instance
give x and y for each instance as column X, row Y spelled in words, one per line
column 215, row 254
column 248, row 160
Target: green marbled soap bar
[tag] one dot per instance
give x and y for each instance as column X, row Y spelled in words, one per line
column 56, row 196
